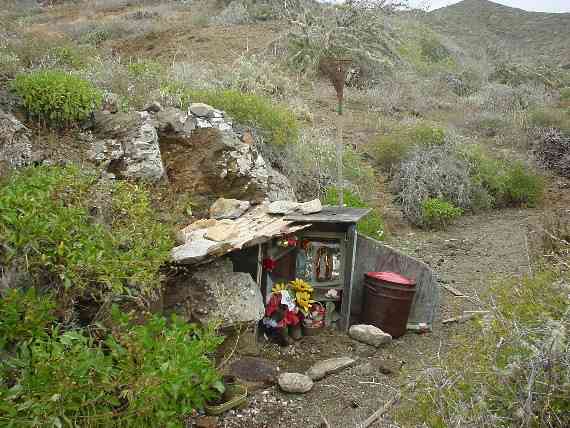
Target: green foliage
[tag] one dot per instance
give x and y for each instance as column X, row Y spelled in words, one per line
column 520, row 186
column 57, row 97
column 548, row 117
column 439, row 213
column 504, row 183
column 45, row 221
column 145, row 69
column 517, row 74
column 278, row 124
column 389, row 150
column 24, row 316
column 153, row 374
column 565, row 94
column 371, row 225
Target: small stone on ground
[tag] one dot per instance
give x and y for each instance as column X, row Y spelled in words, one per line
column 326, row 367
column 296, row 383
column 369, row 334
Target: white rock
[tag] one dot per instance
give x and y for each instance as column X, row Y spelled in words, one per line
column 369, row 334
column 310, row 207
column 295, row 383
column 333, row 365
column 201, row 110
column 282, row 207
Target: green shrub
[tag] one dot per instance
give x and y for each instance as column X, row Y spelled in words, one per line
column 511, row 369
column 520, row 186
column 371, row 225
column 57, row 97
column 277, row 123
column 439, row 213
column 45, row 221
column 155, row 374
column 391, row 149
column 24, row 316
column 548, row 117
column 505, row 183
column 565, row 94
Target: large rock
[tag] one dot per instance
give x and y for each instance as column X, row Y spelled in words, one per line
column 279, row 187
column 212, row 162
column 215, row 293
column 326, row 367
column 369, row 334
column 228, row 208
column 127, row 145
column 174, row 121
column 296, row 383
column 15, row 145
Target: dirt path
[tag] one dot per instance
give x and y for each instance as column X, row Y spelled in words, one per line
column 467, row 256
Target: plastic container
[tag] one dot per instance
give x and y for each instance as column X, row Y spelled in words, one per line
column 388, row 298
column 235, row 396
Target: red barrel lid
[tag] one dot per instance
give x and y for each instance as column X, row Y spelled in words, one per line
column 393, row 277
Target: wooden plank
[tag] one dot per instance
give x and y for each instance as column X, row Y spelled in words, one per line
column 350, row 252
column 330, row 215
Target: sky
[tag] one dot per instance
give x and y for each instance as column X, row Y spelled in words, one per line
column 532, row 5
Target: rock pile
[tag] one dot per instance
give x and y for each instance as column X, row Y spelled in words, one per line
column 198, row 150
column 15, row 145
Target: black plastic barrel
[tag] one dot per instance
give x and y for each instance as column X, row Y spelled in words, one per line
column 387, row 302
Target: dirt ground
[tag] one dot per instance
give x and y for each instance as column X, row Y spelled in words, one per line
column 467, row 256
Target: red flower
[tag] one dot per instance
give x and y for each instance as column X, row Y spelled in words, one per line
column 269, row 264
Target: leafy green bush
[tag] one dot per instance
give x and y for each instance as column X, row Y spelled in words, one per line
column 371, row 225
column 278, row 124
column 153, row 374
column 439, row 213
column 548, row 117
column 45, row 220
column 391, row 149
column 24, row 316
column 565, row 94
column 521, row 186
column 505, row 183
column 57, row 97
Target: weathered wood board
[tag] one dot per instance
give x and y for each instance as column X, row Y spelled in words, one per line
column 373, row 256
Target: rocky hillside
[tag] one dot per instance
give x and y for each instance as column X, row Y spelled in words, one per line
column 506, row 32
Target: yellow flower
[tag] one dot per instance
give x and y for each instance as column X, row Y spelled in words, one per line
column 300, row 285
column 279, row 287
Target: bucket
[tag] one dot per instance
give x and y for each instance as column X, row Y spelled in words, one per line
column 388, row 301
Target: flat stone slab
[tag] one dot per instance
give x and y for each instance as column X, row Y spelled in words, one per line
column 252, row 369
column 295, row 383
column 369, row 334
column 326, row 367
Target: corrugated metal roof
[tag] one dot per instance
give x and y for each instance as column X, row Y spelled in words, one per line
column 254, row 227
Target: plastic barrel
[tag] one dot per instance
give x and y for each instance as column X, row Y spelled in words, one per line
column 388, row 299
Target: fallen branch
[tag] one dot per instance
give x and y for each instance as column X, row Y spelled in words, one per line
column 453, row 290
column 380, row 412
column 467, row 315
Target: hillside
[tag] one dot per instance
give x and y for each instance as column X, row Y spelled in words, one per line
column 139, row 139
column 506, row 32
